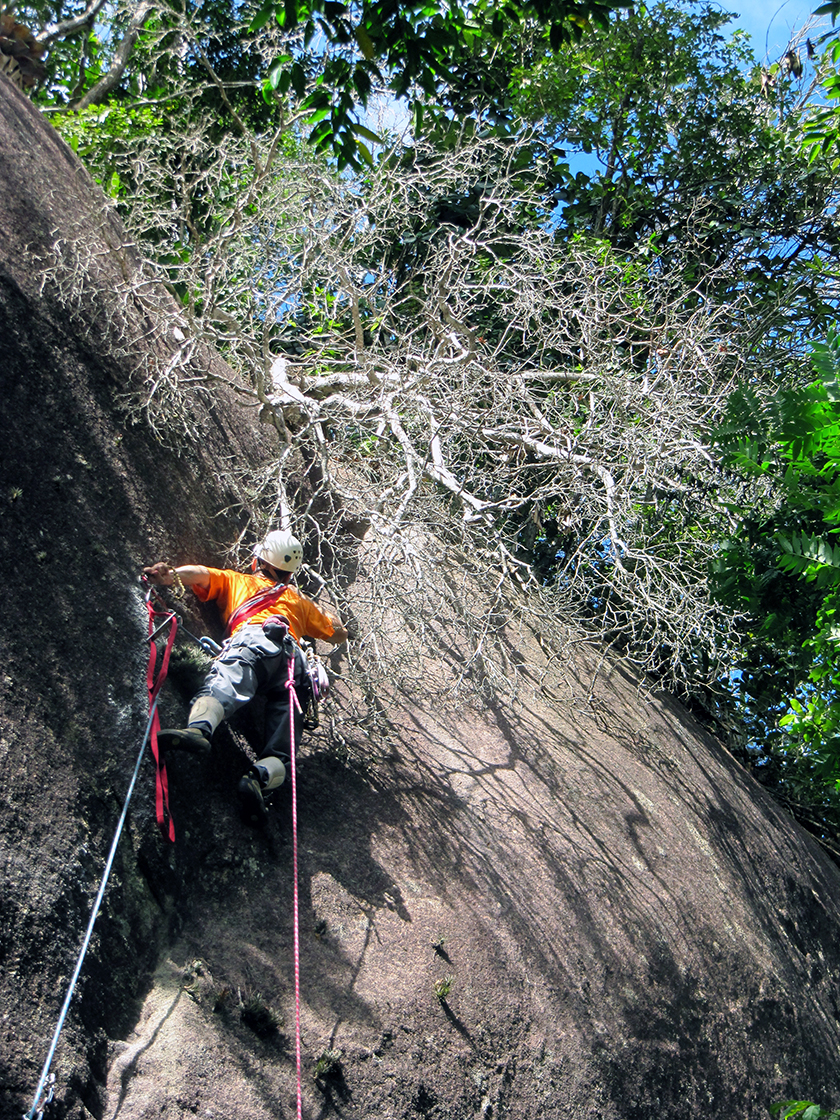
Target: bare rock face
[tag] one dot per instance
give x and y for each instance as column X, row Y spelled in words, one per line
column 581, row 907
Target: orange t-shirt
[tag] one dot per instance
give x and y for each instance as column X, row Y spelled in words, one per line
column 231, row 589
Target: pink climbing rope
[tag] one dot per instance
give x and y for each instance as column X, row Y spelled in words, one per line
column 295, row 703
column 154, row 683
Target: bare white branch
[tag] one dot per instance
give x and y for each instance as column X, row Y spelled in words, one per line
column 470, row 412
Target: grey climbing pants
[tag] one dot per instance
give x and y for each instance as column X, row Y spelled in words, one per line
column 255, row 660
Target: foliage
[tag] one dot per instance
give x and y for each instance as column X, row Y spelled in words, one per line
column 782, row 565
column 328, row 1064
column 141, row 54
column 804, row 1110
column 443, row 986
column 100, row 133
column 822, row 131
column 419, row 49
column 678, row 136
column 326, row 56
column 255, row 1013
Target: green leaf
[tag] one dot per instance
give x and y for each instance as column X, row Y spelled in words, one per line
column 365, row 153
column 297, row 76
column 368, row 134
column 365, row 43
column 275, row 74
column 788, row 1109
column 261, row 18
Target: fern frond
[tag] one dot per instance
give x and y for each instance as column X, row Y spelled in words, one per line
column 814, row 558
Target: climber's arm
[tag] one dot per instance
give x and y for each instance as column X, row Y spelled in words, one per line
column 321, row 618
column 340, row 633
column 190, row 575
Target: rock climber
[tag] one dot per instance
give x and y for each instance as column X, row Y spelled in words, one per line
column 265, row 617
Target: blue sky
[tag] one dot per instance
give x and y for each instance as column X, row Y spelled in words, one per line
column 771, row 23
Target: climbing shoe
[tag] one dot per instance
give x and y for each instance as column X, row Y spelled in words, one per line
column 183, row 739
column 251, row 800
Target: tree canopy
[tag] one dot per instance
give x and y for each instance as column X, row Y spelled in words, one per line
column 331, row 56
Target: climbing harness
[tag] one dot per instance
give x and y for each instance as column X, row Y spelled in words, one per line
column 155, row 683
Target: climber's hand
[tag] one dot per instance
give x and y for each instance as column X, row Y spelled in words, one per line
column 160, row 574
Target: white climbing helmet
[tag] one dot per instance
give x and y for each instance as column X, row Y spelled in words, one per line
column 281, row 550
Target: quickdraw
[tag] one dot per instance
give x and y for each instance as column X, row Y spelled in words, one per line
column 207, row 644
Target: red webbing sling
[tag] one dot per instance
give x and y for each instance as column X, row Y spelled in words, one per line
column 254, row 605
column 154, row 683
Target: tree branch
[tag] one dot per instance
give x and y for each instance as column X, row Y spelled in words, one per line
column 54, row 31
column 98, row 93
